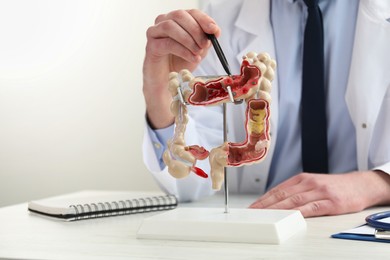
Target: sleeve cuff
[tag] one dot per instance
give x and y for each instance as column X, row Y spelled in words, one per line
column 159, row 138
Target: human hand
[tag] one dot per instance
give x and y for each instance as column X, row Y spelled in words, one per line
column 328, row 194
column 176, row 41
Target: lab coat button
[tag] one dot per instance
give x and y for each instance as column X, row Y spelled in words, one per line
column 257, row 180
column 364, row 125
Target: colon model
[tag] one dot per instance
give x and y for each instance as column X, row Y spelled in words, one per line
column 252, row 85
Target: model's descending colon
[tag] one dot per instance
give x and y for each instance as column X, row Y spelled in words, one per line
column 252, row 85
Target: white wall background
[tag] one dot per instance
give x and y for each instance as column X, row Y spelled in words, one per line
column 71, row 104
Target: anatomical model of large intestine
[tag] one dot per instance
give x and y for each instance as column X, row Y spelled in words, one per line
column 252, row 85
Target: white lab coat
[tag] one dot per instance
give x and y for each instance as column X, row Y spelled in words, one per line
column 367, row 95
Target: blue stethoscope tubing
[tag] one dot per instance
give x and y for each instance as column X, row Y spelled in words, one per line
column 374, row 220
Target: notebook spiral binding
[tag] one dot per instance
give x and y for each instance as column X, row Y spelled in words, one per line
column 123, row 207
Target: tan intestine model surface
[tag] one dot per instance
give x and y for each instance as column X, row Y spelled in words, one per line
column 254, row 86
column 179, row 158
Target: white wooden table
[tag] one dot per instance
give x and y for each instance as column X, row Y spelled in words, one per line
column 27, row 236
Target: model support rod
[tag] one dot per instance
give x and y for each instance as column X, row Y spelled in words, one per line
column 224, row 170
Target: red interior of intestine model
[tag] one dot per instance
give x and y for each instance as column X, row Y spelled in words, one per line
column 199, row 152
column 215, row 91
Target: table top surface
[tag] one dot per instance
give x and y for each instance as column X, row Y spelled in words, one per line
column 24, row 235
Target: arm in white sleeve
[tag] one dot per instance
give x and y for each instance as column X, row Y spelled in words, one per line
column 204, row 128
column 379, row 153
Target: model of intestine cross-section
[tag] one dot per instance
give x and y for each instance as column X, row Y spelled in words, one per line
column 253, row 85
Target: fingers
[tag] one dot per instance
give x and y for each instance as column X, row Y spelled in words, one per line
column 309, row 193
column 310, row 204
column 181, row 33
column 280, row 192
column 286, row 199
column 323, row 194
column 194, row 22
column 163, row 46
column 318, row 208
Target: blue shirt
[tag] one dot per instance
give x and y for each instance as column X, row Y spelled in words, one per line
column 288, row 18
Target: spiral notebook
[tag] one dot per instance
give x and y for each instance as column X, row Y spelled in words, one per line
column 97, row 204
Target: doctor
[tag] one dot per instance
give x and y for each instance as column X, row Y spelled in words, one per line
column 357, row 87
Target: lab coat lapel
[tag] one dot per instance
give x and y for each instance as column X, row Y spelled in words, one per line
column 369, row 76
column 260, row 39
column 258, row 26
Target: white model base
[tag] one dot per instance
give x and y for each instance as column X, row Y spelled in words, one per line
column 212, row 224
